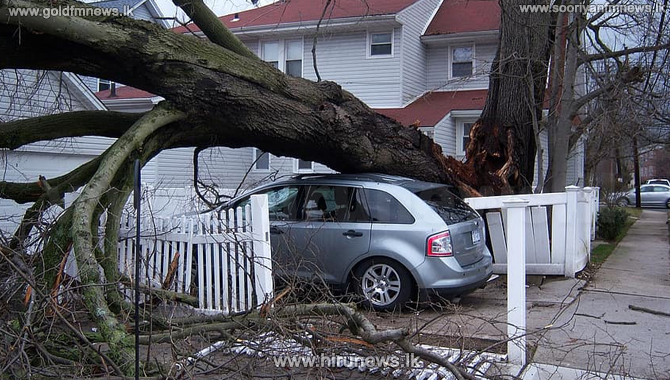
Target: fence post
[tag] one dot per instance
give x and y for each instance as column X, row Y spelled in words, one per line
column 572, row 230
column 516, row 280
column 260, row 219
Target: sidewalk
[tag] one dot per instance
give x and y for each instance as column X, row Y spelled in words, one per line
column 620, row 323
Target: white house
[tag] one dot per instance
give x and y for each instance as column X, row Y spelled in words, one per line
column 422, row 62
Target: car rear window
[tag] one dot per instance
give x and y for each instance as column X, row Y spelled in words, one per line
column 451, row 208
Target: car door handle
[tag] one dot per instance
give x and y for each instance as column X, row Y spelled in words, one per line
column 276, row 231
column 352, row 233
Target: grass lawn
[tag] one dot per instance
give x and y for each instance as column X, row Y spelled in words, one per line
column 600, row 253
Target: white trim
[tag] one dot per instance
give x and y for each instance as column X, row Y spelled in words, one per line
column 482, row 37
column 466, row 114
column 85, row 93
column 430, row 20
column 254, row 152
column 369, row 44
column 450, row 74
column 359, row 22
column 298, row 170
column 459, row 122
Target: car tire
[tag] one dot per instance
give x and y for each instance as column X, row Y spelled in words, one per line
column 384, row 284
column 623, row 202
column 667, row 203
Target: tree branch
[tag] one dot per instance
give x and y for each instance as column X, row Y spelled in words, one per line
column 22, row 192
column 83, row 223
column 70, row 124
column 212, row 27
column 621, row 53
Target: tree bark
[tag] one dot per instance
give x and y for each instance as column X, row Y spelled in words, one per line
column 502, row 140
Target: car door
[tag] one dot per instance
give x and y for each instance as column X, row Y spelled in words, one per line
column 646, row 195
column 284, row 203
column 333, row 232
column 659, row 195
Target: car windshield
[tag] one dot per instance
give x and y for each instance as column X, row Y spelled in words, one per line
column 451, row 208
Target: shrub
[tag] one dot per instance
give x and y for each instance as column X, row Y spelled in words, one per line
column 611, row 221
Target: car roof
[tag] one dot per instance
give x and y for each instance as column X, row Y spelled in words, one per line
column 408, row 183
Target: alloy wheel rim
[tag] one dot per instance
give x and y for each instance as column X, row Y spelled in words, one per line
column 381, row 284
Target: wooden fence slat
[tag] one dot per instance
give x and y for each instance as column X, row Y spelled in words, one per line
column 541, row 234
column 497, row 235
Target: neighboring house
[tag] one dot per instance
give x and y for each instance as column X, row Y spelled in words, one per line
column 422, row 62
column 31, row 93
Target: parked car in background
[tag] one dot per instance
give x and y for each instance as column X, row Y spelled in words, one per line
column 650, row 195
column 384, row 237
column 657, row 181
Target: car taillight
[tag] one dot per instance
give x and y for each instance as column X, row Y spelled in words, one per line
column 439, row 245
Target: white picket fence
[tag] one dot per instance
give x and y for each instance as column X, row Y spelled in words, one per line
column 225, row 255
column 559, row 228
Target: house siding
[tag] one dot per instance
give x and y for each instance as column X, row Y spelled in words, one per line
column 143, row 13
column 445, row 135
column 413, row 56
column 438, row 68
column 342, row 58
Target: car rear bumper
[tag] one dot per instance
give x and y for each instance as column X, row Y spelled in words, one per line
column 438, row 277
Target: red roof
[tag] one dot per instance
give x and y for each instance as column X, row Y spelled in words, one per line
column 124, row 92
column 460, row 16
column 308, row 10
column 429, row 109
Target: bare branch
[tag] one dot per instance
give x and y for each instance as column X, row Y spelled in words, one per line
column 212, row 27
column 70, row 124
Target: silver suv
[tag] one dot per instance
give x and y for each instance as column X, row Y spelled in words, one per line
column 388, row 238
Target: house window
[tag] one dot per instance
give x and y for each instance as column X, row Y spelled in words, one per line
column 461, row 61
column 270, row 53
column 302, row 166
column 284, row 55
column 261, row 160
column 104, row 84
column 381, row 44
column 463, row 135
column 294, row 58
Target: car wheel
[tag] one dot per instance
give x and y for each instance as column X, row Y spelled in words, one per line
column 623, row 202
column 384, row 284
column 667, row 203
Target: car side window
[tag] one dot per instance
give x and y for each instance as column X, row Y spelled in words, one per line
column 384, row 208
column 660, row 189
column 646, row 189
column 358, row 211
column 328, row 203
column 282, row 202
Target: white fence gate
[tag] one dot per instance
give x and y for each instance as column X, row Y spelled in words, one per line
column 223, row 258
column 559, row 228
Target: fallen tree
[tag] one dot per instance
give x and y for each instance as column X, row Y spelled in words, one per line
column 217, row 94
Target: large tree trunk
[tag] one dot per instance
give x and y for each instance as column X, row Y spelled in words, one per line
column 231, row 100
column 502, row 140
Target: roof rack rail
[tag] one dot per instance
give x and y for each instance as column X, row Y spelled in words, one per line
column 308, row 175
